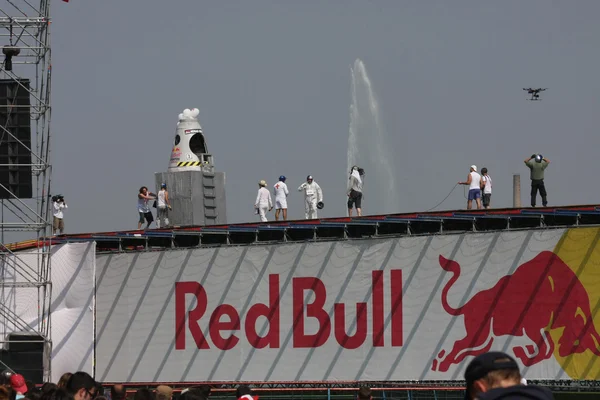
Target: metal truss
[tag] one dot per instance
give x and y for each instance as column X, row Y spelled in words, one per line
column 25, row 36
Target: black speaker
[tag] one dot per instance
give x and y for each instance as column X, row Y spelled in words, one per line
column 28, row 364
column 15, row 139
column 25, row 355
column 22, row 342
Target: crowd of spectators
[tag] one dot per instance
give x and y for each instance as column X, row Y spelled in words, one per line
column 489, row 376
column 81, row 386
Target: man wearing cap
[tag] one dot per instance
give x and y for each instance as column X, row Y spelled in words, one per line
column 495, row 375
column 163, row 206
column 537, row 164
column 18, row 384
column 263, row 201
column 474, row 182
column 312, row 196
column 59, row 205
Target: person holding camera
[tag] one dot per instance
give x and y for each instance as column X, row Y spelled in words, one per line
column 537, row 164
column 143, row 207
column 355, row 186
column 58, row 222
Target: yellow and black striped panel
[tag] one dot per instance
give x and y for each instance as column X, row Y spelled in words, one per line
column 189, row 163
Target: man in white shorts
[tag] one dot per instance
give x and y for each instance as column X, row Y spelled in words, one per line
column 280, row 190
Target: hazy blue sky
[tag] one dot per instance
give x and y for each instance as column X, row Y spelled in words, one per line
column 272, row 82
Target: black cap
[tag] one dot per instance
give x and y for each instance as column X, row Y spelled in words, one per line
column 485, row 363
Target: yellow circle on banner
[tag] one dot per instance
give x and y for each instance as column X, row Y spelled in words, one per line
column 579, row 248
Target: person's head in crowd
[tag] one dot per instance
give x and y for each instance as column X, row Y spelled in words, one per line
column 57, row 394
column 99, row 389
column 490, row 370
column 4, row 392
column 117, row 392
column 82, row 386
column 205, row 389
column 100, row 398
column 48, row 386
column 18, row 384
column 164, row 392
column 364, row 393
column 62, row 382
column 193, row 393
column 144, row 394
column 244, row 392
column 5, row 377
column 30, row 385
column 495, row 375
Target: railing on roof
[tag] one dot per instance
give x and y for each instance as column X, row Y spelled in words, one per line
column 387, row 390
column 335, row 229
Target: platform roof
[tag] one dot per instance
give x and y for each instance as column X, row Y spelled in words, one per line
column 372, row 226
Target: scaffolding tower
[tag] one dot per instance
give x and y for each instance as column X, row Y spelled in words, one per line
column 25, row 72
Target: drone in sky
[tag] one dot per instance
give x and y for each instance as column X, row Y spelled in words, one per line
column 535, row 93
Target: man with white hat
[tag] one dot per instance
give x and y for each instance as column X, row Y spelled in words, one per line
column 474, row 182
column 263, row 201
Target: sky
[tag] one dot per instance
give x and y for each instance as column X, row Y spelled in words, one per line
column 272, row 82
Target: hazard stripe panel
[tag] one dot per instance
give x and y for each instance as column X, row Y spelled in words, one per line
column 189, row 163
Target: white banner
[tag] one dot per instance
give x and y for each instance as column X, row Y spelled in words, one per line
column 72, row 276
column 413, row 308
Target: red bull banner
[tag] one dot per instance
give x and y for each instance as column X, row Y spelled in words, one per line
column 411, row 308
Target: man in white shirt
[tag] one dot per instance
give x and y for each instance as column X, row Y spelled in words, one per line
column 163, row 205
column 474, row 182
column 486, row 182
column 58, row 206
column 312, row 195
column 355, row 191
column 143, row 207
column 263, row 201
column 281, row 192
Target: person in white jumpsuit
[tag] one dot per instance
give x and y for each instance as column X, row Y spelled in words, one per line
column 312, row 195
column 281, row 192
column 263, row 201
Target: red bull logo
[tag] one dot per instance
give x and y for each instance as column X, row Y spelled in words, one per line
column 544, row 300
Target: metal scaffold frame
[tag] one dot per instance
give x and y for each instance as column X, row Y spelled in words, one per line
column 25, row 29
